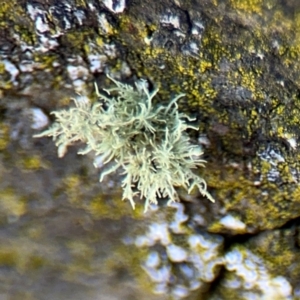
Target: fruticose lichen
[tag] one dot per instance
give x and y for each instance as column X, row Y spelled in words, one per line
column 126, row 130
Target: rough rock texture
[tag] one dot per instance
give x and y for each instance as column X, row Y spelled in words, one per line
column 63, row 234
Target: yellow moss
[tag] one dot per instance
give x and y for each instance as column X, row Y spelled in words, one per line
column 9, row 9
column 101, row 206
column 35, row 262
column 11, row 204
column 13, row 17
column 204, row 65
column 99, row 41
column 111, row 207
column 44, row 61
column 296, row 193
column 2, row 68
column 130, row 258
column 4, row 136
column 8, row 258
column 80, row 3
column 72, row 186
column 31, row 163
column 77, row 39
column 26, row 34
column 251, row 6
column 20, row 255
column 278, row 252
column 254, row 202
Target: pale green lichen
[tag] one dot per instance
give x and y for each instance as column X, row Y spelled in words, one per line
column 149, row 143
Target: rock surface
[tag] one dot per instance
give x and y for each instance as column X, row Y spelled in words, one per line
column 63, row 235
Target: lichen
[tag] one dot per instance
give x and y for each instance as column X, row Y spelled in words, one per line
column 148, row 142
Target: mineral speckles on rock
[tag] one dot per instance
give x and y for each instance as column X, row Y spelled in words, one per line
column 176, row 253
column 115, row 6
column 248, row 272
column 78, row 75
column 63, row 18
column 180, row 260
column 170, row 20
column 233, row 223
column 274, row 157
column 39, row 17
column 179, row 218
column 197, row 29
column 96, row 62
column 158, row 232
column 11, row 69
column 104, row 24
column 196, row 259
column 47, row 41
column 39, row 119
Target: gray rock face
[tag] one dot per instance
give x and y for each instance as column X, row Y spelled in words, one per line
column 65, row 236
